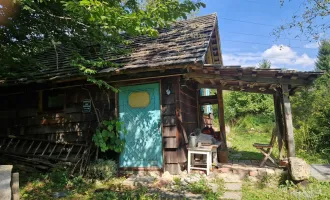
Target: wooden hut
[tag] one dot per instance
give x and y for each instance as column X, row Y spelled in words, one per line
column 159, row 99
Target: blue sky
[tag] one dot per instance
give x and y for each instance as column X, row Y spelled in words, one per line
column 247, row 44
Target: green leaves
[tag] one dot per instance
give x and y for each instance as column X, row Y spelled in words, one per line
column 107, row 136
column 311, row 109
column 36, row 27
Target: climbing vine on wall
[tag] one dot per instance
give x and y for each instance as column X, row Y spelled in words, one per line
column 108, row 136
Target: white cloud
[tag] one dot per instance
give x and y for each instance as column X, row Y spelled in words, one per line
column 305, row 60
column 312, row 45
column 281, row 56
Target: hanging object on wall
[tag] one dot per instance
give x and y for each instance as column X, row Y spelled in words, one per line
column 168, row 91
column 87, row 104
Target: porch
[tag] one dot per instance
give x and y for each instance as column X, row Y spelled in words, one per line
column 281, row 84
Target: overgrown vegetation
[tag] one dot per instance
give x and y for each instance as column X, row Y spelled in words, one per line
column 57, row 184
column 267, row 189
column 242, row 144
column 201, row 187
column 311, row 111
column 90, row 31
column 102, row 170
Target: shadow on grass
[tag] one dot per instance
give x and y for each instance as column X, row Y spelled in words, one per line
column 235, row 154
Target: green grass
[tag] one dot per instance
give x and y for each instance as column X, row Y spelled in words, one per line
column 314, row 190
column 44, row 185
column 313, row 158
column 242, row 143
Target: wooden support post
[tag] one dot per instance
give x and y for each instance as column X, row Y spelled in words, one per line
column 279, row 123
column 221, row 119
column 116, row 105
column 15, row 186
column 288, row 121
column 40, row 103
column 198, row 108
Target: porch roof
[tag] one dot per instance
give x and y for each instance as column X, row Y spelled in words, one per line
column 250, row 79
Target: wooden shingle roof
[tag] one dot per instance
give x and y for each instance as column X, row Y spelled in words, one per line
column 183, row 43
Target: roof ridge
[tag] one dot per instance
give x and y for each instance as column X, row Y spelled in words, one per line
column 197, row 18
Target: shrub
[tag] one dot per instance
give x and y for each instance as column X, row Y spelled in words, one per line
column 199, row 187
column 59, row 177
column 102, row 170
column 255, row 123
column 79, row 184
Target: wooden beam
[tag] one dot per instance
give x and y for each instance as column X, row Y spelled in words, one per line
column 221, row 116
column 279, row 75
column 205, row 71
column 206, row 100
column 288, row 121
column 240, row 72
column 269, row 80
column 201, row 81
column 235, row 88
column 212, row 81
column 254, row 73
column 294, row 77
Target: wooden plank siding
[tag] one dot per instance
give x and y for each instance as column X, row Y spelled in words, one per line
column 179, row 119
column 24, row 115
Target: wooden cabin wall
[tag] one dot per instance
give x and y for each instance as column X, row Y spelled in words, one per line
column 24, row 115
column 188, row 105
column 179, row 119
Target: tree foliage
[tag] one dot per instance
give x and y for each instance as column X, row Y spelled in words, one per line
column 240, row 104
column 312, row 22
column 311, row 109
column 264, row 64
column 323, row 58
column 30, row 27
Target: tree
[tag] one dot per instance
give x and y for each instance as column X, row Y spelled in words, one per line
column 323, row 57
column 311, row 109
column 312, row 22
column 91, row 29
column 264, row 64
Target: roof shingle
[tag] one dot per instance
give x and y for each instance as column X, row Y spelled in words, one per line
column 184, row 42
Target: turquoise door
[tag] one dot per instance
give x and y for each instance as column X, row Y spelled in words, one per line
column 139, row 110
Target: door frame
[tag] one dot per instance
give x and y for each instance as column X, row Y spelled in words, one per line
column 159, row 81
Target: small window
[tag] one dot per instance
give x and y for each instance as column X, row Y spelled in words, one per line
column 139, row 99
column 53, row 100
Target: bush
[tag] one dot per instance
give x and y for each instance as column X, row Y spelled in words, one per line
column 102, row 170
column 255, row 123
column 59, row 177
column 78, row 184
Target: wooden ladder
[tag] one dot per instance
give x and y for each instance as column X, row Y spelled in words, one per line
column 72, row 153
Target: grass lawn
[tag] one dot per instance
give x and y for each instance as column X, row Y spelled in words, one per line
column 268, row 189
column 242, row 145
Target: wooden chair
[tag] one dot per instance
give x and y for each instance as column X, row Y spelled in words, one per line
column 266, row 149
